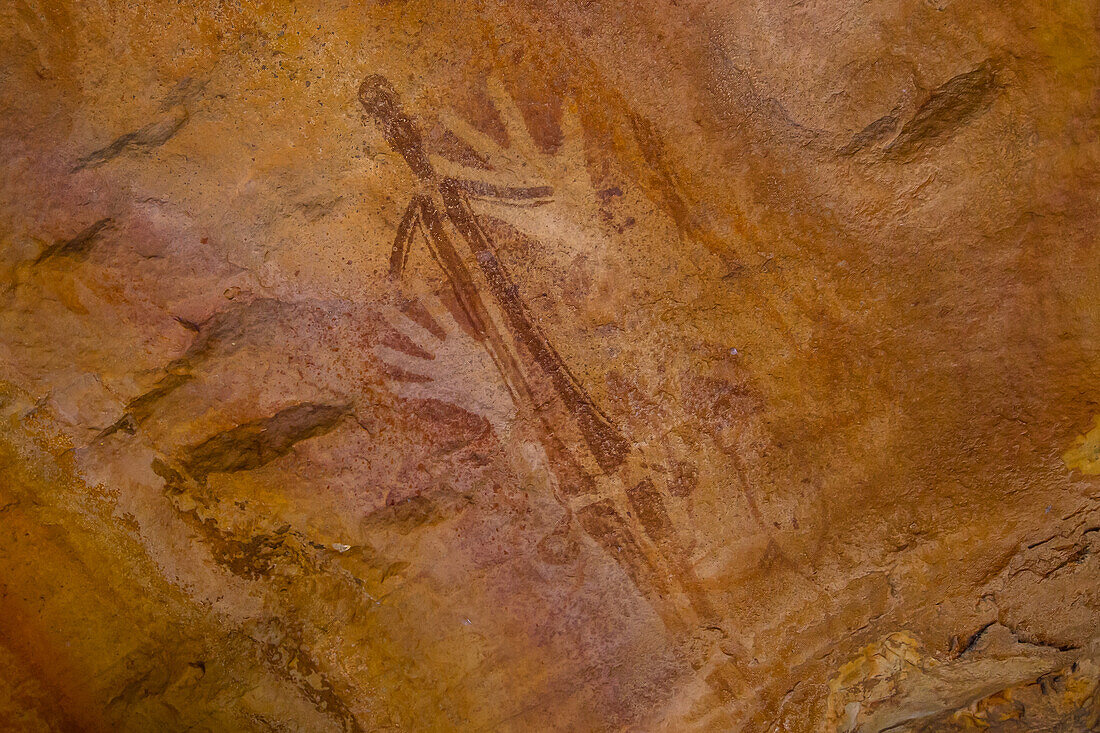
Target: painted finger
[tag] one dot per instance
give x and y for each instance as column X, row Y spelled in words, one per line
column 519, row 137
column 508, row 174
column 481, row 143
column 406, row 362
column 441, row 314
column 416, row 333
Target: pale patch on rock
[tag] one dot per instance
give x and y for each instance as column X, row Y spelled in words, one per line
column 1084, row 456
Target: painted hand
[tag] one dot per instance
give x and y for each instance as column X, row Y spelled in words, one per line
column 568, row 218
column 460, row 371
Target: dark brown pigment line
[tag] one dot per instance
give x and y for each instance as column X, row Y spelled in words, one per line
column 482, row 189
column 410, row 222
column 649, row 507
column 381, row 101
column 471, row 302
column 651, row 513
column 601, row 520
column 606, row 442
column 606, row 526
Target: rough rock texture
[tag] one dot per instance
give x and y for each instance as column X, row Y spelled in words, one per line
column 678, row 365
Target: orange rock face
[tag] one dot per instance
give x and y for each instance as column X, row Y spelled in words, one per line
column 686, row 366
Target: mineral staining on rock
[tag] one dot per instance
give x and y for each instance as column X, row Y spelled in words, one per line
column 1084, row 456
column 488, row 366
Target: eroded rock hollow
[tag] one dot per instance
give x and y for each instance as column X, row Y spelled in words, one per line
column 584, row 366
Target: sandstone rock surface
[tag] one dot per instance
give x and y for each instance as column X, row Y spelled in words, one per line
column 668, row 365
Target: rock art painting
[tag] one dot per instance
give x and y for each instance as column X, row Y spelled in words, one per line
column 579, row 366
